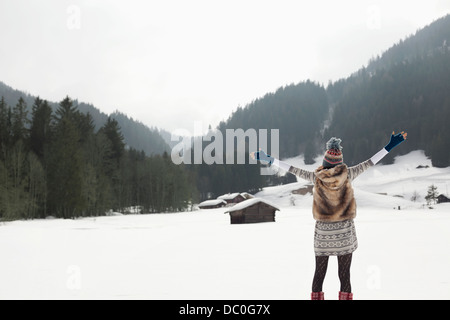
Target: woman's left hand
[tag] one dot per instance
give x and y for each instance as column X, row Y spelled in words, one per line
column 396, row 139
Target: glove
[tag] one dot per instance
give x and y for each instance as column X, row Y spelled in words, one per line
column 396, row 139
column 263, row 157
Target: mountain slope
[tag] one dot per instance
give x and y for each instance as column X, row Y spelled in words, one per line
column 136, row 134
column 425, row 42
column 297, row 110
column 407, row 88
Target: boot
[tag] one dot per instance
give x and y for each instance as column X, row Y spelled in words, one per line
column 317, row 296
column 345, row 295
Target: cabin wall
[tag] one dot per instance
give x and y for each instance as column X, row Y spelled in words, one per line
column 257, row 213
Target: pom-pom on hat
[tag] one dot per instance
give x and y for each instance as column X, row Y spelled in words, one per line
column 333, row 155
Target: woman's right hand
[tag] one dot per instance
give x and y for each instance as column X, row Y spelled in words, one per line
column 262, row 156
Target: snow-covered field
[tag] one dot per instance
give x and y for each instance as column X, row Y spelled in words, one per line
column 402, row 254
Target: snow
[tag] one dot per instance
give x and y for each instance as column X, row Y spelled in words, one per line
column 402, row 254
column 249, row 202
column 213, row 202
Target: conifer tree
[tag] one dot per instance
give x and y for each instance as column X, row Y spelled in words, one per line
column 432, row 195
column 112, row 132
column 36, row 188
column 4, row 134
column 40, row 127
column 113, row 149
column 19, row 121
column 66, row 164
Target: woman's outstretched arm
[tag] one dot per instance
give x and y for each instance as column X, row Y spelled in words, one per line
column 271, row 161
column 396, row 139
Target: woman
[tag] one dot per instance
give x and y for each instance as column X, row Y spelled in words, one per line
column 334, row 209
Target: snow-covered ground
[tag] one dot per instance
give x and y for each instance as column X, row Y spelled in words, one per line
column 402, row 254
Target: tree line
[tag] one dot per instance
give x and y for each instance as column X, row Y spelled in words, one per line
column 136, row 134
column 56, row 163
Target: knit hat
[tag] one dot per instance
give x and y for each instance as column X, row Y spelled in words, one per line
column 333, row 155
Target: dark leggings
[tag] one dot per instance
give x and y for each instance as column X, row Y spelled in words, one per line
column 344, row 263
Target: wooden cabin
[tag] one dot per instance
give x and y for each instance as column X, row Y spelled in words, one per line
column 232, row 198
column 212, row 204
column 442, row 199
column 252, row 211
column 247, row 195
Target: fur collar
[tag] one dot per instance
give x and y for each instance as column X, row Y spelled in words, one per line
column 333, row 195
column 334, row 177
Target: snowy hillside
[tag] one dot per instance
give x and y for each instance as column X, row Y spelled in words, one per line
column 402, row 254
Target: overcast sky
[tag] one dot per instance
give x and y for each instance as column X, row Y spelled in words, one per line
column 169, row 63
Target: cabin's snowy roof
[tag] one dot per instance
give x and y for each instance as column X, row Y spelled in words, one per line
column 213, row 202
column 247, row 195
column 229, row 196
column 249, row 202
